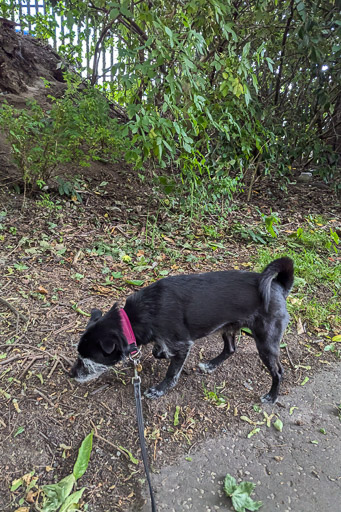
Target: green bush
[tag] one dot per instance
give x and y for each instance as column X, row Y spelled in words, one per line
column 76, row 128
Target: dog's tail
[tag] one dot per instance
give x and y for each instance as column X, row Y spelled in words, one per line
column 282, row 270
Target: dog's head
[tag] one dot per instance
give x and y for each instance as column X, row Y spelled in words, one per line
column 101, row 345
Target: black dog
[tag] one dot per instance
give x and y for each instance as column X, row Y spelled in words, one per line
column 175, row 311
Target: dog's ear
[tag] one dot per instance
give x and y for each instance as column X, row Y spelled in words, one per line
column 95, row 315
column 107, row 345
column 114, row 311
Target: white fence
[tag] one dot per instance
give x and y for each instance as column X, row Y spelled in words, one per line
column 80, row 38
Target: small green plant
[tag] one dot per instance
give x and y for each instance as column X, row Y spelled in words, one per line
column 215, row 396
column 316, row 238
column 68, row 188
column 58, row 497
column 256, row 235
column 20, row 266
column 333, row 347
column 270, row 222
column 176, row 416
column 240, row 494
column 47, row 203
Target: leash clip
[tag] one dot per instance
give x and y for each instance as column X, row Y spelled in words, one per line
column 134, row 355
column 137, row 366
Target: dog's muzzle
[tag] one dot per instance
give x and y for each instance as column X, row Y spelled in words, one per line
column 84, row 370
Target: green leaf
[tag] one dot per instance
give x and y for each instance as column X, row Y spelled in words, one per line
column 83, row 457
column 270, row 63
column 113, row 14
column 19, row 431
column 176, row 416
column 247, row 487
column 134, row 282
column 242, row 501
column 230, row 484
column 16, row 484
column 253, row 432
column 278, row 424
column 117, row 275
column 337, row 338
column 246, row 329
column 240, row 494
column 130, row 455
column 72, row 500
column 164, row 272
column 56, row 494
column 127, row 13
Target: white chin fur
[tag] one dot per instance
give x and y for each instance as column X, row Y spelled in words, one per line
column 90, row 370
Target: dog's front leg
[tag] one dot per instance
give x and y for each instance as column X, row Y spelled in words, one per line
column 172, row 375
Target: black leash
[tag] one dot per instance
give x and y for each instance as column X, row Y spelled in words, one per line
column 137, row 393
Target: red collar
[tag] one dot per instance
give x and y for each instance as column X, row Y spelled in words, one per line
column 128, row 331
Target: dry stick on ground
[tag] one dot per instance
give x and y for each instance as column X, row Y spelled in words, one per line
column 108, row 442
column 12, row 308
column 290, row 360
column 45, row 397
column 11, row 359
column 33, row 360
column 54, row 367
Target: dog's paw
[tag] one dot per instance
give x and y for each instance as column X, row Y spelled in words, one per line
column 206, row 367
column 268, row 399
column 153, row 393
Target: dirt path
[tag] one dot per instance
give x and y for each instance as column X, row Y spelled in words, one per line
column 296, row 470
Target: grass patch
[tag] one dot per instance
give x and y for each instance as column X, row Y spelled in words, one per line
column 317, row 276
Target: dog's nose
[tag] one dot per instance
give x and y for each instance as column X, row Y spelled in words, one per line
column 73, row 370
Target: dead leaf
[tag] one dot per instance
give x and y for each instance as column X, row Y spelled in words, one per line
column 168, row 239
column 30, row 496
column 42, row 290
column 79, row 256
column 22, row 509
column 300, row 328
column 27, row 478
column 16, row 406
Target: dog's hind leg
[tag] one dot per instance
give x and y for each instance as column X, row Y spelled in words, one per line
column 173, row 372
column 228, row 350
column 269, row 354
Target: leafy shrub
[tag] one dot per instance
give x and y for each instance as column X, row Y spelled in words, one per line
column 77, row 128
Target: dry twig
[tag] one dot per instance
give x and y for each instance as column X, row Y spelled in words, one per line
column 12, row 308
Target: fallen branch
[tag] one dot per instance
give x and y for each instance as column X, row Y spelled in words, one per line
column 12, row 308
column 11, row 359
column 108, row 442
column 33, row 360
